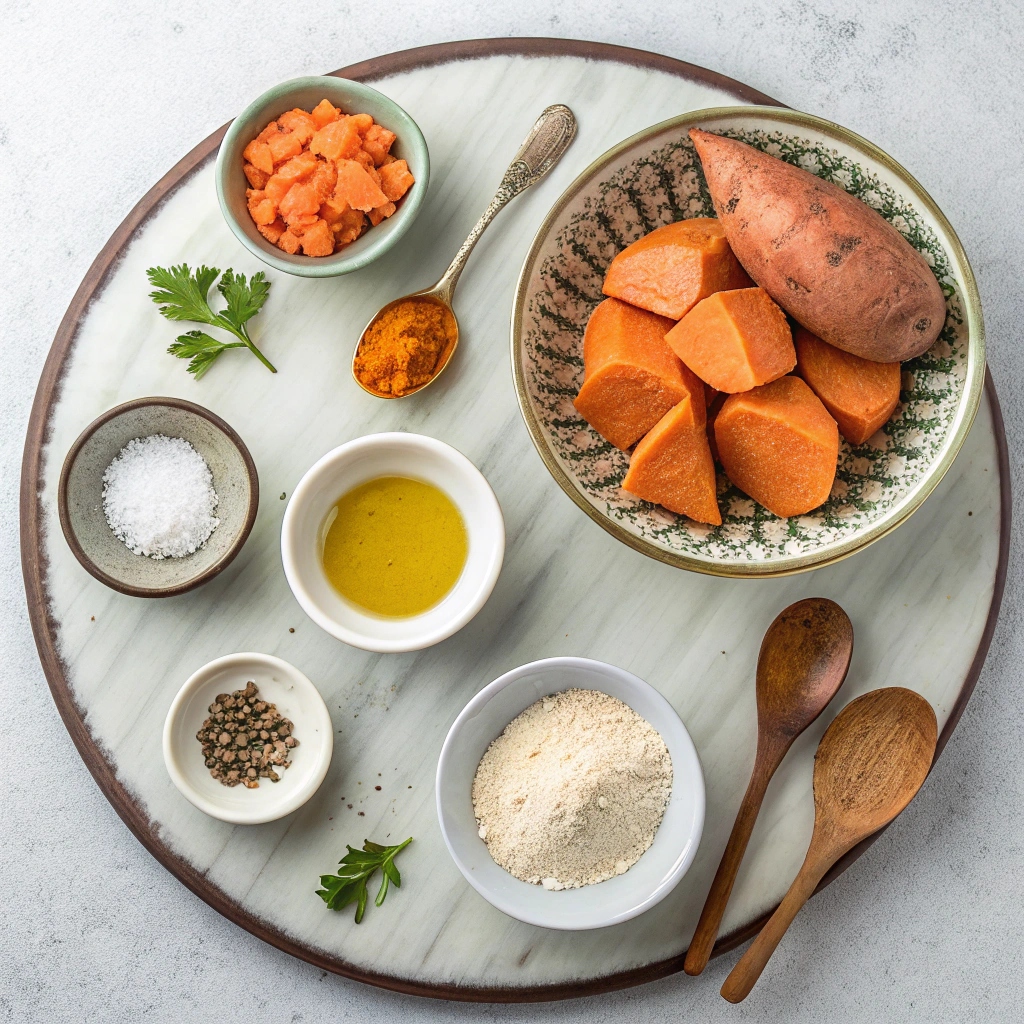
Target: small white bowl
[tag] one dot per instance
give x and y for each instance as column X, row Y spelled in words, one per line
column 394, row 454
column 618, row 899
column 297, row 699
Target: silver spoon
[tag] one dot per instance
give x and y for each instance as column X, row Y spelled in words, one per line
column 549, row 138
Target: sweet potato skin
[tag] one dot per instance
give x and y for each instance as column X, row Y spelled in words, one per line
column 834, row 264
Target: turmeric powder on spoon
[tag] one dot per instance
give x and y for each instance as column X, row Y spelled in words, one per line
column 401, row 348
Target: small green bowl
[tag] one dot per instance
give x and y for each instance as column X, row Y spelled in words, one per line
column 306, row 93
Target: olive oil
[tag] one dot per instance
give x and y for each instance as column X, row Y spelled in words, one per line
column 394, row 546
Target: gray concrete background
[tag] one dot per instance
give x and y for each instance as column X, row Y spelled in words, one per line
column 927, row 926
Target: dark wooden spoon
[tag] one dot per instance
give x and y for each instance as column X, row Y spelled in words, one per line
column 804, row 658
column 870, row 763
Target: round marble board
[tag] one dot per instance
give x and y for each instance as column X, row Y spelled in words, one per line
column 923, row 601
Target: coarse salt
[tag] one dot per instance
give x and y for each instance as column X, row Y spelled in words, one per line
column 158, row 497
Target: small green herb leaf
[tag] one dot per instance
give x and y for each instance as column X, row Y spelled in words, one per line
column 184, row 295
column 357, row 867
column 244, row 299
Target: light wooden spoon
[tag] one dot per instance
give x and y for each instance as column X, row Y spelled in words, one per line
column 804, row 658
column 870, row 763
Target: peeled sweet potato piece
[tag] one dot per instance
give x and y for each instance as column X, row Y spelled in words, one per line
column 357, row 188
column 258, row 154
column 735, row 340
column 349, row 226
column 300, row 124
column 289, row 242
column 672, row 268
column 298, row 168
column 284, row 147
column 395, row 179
column 255, row 177
column 859, row 394
column 324, row 113
column 672, row 465
column 318, row 239
column 779, row 444
column 324, row 180
column 338, row 140
column 272, row 232
column 630, row 376
column 381, row 213
column 301, row 200
column 377, row 140
column 834, row 264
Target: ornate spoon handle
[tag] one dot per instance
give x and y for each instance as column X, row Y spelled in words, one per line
column 549, row 138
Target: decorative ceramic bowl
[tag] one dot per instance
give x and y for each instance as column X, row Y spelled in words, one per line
column 80, row 496
column 295, row 697
column 352, row 98
column 354, row 463
column 655, row 178
column 618, row 899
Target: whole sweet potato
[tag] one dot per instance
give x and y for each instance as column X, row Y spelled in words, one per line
column 829, row 260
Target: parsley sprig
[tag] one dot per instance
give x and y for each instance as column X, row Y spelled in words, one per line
column 357, row 867
column 182, row 295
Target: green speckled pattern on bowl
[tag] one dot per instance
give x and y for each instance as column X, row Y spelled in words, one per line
column 655, row 178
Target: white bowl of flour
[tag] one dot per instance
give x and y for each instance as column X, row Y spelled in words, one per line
column 597, row 808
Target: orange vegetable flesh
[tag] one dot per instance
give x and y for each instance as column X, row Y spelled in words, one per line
column 630, row 377
column 735, row 340
column 672, row 268
column 672, row 465
column 779, row 444
column 859, row 394
column 315, row 184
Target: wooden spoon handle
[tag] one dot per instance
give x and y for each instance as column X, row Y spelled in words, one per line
column 703, row 940
column 748, row 969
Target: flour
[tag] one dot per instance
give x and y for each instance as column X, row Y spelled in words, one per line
column 573, row 791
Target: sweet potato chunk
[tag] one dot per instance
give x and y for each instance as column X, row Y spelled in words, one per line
column 318, row 240
column 289, row 243
column 283, row 147
column 860, row 395
column 324, row 113
column 261, row 209
column 672, row 268
column 377, row 140
column 301, row 200
column 324, row 180
column 300, row 124
column 298, row 168
column 338, row 140
column 779, row 444
column 672, row 465
column 349, row 227
column 630, row 377
column 255, row 177
column 735, row 340
column 395, row 179
column 272, row 232
column 357, row 188
column 380, row 213
column 259, row 155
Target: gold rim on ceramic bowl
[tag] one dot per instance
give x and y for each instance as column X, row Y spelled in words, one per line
column 861, row 516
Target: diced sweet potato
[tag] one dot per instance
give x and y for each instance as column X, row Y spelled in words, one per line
column 364, row 158
column 269, row 132
column 300, row 223
column 255, row 177
column 318, row 240
column 301, row 200
column 381, row 213
column 779, row 444
column 324, row 180
column 735, row 340
column 298, row 168
column 261, row 209
column 338, row 140
column 332, row 210
column 395, row 179
column 357, row 188
column 672, row 268
column 377, row 141
column 277, row 187
column 349, row 226
column 630, row 378
column 363, row 123
column 283, row 147
column 860, row 395
column 324, row 113
column 289, row 243
column 259, row 155
column 272, row 232
column 300, row 124
column 672, row 465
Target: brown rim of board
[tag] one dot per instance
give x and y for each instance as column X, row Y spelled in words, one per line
column 34, row 568
column 211, row 571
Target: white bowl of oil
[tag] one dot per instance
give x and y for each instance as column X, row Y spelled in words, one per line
column 392, row 542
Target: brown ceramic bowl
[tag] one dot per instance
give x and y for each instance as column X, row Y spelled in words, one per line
column 80, row 496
